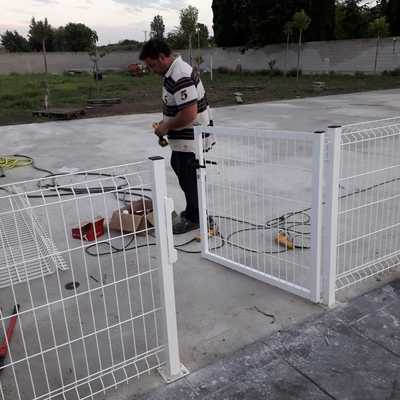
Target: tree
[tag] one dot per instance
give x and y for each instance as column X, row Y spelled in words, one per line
column 188, row 20
column 14, row 42
column 40, row 34
column 393, row 16
column 59, row 39
column 202, row 35
column 267, row 17
column 79, row 37
column 176, row 39
column 352, row 20
column 322, row 14
column 378, row 28
column 231, row 22
column 301, row 22
column 40, row 37
column 157, row 27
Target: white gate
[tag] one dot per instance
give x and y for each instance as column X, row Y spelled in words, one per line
column 87, row 304
column 363, row 208
column 260, row 195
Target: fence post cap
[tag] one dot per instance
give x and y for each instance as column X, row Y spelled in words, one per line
column 156, row 158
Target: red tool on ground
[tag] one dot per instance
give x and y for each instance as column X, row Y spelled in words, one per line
column 89, row 230
column 7, row 339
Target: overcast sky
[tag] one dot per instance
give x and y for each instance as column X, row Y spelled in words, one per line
column 113, row 20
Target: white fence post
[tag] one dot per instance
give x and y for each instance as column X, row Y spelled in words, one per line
column 201, row 188
column 331, row 215
column 163, row 206
column 316, row 217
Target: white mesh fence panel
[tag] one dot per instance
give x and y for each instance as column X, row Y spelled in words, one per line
column 369, row 208
column 91, row 312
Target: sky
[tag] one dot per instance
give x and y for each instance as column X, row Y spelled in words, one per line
column 113, row 20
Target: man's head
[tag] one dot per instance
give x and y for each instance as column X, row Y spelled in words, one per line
column 157, row 56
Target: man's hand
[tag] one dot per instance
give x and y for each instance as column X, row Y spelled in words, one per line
column 161, row 128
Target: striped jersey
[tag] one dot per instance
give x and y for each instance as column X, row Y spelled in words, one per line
column 182, row 87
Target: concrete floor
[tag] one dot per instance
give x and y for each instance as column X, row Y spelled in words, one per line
column 216, row 307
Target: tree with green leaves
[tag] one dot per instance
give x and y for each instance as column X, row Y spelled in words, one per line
column 79, row 37
column 352, row 19
column 14, row 42
column 59, row 39
column 157, row 27
column 231, row 23
column 202, row 35
column 393, row 16
column 301, row 22
column 188, row 20
column 378, row 28
column 176, row 39
column 40, row 35
column 322, row 14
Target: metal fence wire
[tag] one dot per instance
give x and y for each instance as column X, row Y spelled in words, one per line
column 85, row 292
column 369, row 208
column 260, row 195
column 363, row 211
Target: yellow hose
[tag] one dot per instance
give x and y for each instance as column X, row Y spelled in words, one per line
column 10, row 162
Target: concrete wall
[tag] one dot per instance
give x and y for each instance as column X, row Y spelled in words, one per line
column 339, row 56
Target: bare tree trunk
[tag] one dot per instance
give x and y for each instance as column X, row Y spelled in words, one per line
column 46, row 96
column 377, row 53
column 298, row 55
column 190, row 49
column 287, row 53
column 44, row 56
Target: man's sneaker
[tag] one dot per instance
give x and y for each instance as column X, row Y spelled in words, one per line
column 182, row 225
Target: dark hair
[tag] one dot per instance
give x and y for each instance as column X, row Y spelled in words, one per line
column 153, row 48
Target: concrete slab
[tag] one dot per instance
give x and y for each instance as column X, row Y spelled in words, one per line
column 322, row 358
column 217, row 308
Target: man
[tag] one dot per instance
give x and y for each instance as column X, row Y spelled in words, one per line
column 184, row 105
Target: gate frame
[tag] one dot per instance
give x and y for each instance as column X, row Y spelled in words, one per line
column 318, row 142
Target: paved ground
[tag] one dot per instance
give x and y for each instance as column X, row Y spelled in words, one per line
column 350, row 353
column 217, row 308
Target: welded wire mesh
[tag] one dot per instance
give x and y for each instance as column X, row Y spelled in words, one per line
column 259, row 194
column 369, row 207
column 90, row 311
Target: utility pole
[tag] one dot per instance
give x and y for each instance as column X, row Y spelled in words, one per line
column 145, row 36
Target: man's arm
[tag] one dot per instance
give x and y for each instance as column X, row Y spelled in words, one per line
column 184, row 118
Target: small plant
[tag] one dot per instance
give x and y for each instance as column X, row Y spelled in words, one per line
column 395, row 72
column 272, row 64
column 359, row 74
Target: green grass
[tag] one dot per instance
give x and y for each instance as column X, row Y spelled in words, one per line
column 20, row 94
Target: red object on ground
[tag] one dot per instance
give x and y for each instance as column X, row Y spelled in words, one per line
column 90, row 230
column 135, row 69
column 9, row 332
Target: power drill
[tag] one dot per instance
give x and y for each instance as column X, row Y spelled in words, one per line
column 161, row 141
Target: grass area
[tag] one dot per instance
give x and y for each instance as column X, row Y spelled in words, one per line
column 20, row 94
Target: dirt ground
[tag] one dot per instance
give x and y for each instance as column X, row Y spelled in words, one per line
column 143, row 94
